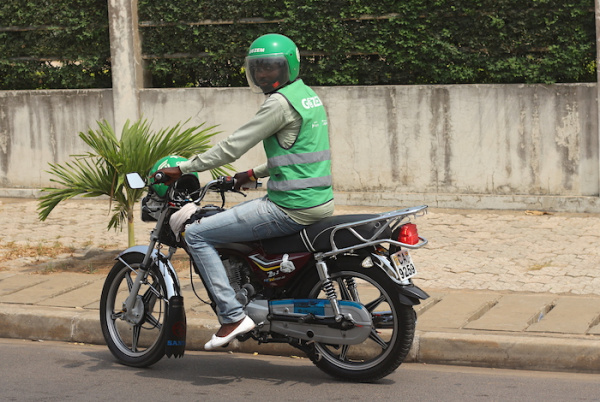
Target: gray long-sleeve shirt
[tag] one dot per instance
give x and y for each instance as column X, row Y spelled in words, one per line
column 275, row 117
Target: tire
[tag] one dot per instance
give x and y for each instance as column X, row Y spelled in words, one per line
column 392, row 332
column 142, row 343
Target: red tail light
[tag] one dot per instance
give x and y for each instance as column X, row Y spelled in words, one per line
column 409, row 234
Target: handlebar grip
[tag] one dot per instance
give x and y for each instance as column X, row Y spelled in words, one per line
column 228, row 182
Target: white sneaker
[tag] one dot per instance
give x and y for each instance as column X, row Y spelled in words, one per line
column 244, row 326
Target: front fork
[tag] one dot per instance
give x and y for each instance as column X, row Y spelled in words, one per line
column 130, row 312
column 151, row 256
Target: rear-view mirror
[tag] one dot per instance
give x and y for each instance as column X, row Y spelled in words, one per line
column 134, row 180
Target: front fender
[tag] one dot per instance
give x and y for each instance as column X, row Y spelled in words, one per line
column 164, row 266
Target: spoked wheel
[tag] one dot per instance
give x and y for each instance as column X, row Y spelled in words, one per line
column 392, row 331
column 136, row 338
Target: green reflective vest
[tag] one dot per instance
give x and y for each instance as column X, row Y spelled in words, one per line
column 300, row 177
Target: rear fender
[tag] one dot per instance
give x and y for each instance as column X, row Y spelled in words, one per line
column 164, row 266
column 409, row 294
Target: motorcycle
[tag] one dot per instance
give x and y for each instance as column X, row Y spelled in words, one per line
column 341, row 290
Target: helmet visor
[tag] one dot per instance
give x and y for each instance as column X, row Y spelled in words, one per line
column 267, row 74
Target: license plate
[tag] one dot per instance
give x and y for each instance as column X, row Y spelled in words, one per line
column 404, row 264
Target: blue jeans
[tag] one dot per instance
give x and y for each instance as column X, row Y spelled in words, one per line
column 252, row 220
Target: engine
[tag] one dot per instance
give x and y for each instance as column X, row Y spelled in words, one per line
column 238, row 273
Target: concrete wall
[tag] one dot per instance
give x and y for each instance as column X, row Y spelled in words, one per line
column 469, row 146
column 41, row 127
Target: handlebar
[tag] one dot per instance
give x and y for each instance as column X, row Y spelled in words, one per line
column 221, row 184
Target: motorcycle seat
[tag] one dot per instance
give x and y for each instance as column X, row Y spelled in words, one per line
column 317, row 237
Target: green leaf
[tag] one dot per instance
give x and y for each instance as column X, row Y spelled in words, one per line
column 102, row 170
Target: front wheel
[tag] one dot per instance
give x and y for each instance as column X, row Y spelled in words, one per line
column 392, row 332
column 136, row 338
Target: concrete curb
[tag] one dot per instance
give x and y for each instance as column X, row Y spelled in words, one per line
column 481, row 350
column 510, row 351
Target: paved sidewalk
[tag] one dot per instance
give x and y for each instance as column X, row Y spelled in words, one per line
column 509, row 289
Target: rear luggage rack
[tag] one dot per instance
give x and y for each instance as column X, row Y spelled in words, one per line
column 391, row 220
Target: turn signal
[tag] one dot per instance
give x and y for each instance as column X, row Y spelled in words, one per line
column 408, row 234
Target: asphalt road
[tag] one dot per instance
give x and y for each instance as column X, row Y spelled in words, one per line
column 52, row 371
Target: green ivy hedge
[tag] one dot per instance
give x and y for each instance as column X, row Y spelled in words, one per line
column 54, row 44
column 342, row 42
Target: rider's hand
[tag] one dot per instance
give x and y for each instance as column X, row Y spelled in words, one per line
column 242, row 178
column 173, row 173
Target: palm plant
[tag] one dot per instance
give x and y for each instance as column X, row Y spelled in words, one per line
column 102, row 170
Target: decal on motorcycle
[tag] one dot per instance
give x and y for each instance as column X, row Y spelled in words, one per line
column 285, row 263
column 265, row 265
column 274, row 279
column 175, row 343
column 178, row 329
column 302, row 306
column 318, row 307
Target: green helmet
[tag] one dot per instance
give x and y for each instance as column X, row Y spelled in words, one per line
column 273, row 61
column 168, row 161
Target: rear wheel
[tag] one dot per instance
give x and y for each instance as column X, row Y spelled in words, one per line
column 135, row 338
column 392, row 331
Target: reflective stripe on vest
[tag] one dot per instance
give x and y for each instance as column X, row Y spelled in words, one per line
column 296, row 159
column 300, row 184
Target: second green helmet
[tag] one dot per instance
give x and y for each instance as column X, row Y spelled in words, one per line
column 273, row 60
column 168, row 161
